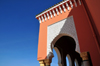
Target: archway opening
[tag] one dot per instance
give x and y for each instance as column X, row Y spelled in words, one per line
column 65, row 49
column 54, row 59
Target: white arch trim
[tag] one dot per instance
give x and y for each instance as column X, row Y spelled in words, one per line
column 69, row 58
column 65, row 27
column 58, row 55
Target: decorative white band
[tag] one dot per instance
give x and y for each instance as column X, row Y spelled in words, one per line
column 46, row 15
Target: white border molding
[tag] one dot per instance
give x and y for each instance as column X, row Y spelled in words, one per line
column 46, row 15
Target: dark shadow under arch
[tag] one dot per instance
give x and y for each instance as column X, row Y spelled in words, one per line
column 66, row 45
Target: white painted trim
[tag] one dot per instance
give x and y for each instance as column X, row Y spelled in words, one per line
column 60, row 9
column 42, row 19
column 39, row 19
column 57, row 11
column 50, row 14
column 52, row 8
column 71, row 4
column 75, row 3
column 45, row 17
column 53, row 12
column 67, row 6
column 79, row 2
column 64, row 8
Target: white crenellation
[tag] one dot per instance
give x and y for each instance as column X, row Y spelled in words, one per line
column 79, row 2
column 64, row 8
column 39, row 19
column 71, row 4
column 53, row 12
column 57, row 11
column 45, row 17
column 50, row 14
column 42, row 19
column 60, row 9
column 67, row 6
column 75, row 3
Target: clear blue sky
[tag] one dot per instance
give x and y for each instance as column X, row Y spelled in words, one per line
column 19, row 30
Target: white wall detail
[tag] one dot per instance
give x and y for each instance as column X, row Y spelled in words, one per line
column 60, row 9
column 67, row 6
column 66, row 27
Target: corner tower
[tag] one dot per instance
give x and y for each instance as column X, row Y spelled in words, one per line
column 67, row 28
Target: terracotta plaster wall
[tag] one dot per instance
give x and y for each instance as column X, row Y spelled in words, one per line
column 85, row 35
column 84, row 31
column 94, row 10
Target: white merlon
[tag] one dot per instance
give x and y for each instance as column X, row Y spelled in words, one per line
column 50, row 14
column 57, row 11
column 42, row 19
column 64, row 8
column 79, row 2
column 67, row 6
column 53, row 12
column 60, row 9
column 39, row 19
column 71, row 4
column 75, row 3
column 45, row 17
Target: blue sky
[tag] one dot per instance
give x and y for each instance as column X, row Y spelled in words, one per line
column 19, row 30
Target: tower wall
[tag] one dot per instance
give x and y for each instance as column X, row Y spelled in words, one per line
column 84, row 30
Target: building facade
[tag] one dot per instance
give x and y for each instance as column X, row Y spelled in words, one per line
column 72, row 29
